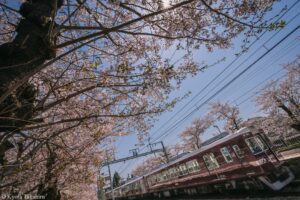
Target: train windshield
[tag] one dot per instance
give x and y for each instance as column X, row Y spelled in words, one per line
column 255, row 144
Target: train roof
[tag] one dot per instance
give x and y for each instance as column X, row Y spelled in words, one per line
column 210, row 143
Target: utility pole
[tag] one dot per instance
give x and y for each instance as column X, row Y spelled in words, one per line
column 149, row 144
column 217, row 127
column 110, row 178
column 135, row 154
column 163, row 149
column 165, row 152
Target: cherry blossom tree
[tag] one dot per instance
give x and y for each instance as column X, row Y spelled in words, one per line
column 191, row 136
column 148, row 165
column 281, row 100
column 228, row 113
column 76, row 73
column 98, row 38
column 176, row 149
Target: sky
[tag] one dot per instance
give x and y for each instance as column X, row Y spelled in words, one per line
column 241, row 92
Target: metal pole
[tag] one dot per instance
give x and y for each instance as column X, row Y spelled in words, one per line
column 110, row 178
column 98, row 187
column 150, row 145
column 166, row 155
column 217, row 127
column 268, row 146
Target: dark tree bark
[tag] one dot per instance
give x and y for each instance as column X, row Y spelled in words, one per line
column 6, row 145
column 17, row 110
column 33, row 43
column 236, row 126
column 296, row 124
column 31, row 47
column 48, row 188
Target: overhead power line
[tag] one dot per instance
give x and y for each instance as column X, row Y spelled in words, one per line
column 179, row 121
column 227, row 67
column 265, row 80
column 236, row 77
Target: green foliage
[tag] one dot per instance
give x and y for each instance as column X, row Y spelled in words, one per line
column 277, row 25
column 116, row 180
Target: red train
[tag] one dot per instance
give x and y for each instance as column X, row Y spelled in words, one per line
column 236, row 162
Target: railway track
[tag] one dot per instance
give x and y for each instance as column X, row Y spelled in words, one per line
column 276, row 196
column 269, row 198
column 289, row 194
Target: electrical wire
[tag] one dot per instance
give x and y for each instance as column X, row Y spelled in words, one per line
column 231, row 81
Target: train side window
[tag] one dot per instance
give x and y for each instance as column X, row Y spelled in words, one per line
column 164, row 174
column 193, row 166
column 158, row 177
column 167, row 174
column 177, row 171
column 183, row 169
column 226, row 154
column 153, row 180
column 211, row 161
column 238, row 151
column 255, row 145
column 196, row 165
column 171, row 172
column 161, row 176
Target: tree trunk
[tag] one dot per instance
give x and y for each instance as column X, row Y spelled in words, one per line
column 236, row 126
column 33, row 43
column 296, row 124
column 48, row 188
column 31, row 47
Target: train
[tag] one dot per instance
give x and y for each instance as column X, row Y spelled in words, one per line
column 241, row 161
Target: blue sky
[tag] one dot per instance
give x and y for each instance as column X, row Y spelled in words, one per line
column 238, row 93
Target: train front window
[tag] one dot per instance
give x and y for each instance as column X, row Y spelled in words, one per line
column 238, row 151
column 255, row 144
column 226, row 154
column 260, row 142
column 211, row 161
